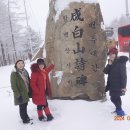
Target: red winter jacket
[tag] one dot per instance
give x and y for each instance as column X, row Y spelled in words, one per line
column 40, row 84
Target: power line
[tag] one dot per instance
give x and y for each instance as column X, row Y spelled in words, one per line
column 11, row 29
column 36, row 19
column 33, row 14
column 30, row 44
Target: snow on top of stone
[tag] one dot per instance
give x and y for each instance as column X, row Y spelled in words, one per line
column 63, row 4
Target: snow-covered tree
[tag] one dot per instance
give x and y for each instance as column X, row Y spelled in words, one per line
column 18, row 39
column 123, row 20
column 33, row 40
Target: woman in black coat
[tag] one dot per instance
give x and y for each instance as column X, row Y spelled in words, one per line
column 117, row 78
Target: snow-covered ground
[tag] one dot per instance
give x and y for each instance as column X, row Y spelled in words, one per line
column 68, row 115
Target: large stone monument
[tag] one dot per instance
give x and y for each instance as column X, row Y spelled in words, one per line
column 75, row 42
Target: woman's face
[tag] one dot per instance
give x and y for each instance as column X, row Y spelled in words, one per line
column 112, row 57
column 41, row 66
column 20, row 65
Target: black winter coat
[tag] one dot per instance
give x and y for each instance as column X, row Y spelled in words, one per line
column 117, row 77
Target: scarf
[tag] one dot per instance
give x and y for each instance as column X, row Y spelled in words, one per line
column 24, row 75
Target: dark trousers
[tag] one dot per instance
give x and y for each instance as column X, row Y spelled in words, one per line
column 23, row 111
column 116, row 100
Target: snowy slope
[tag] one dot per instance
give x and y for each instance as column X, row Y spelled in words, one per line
column 69, row 115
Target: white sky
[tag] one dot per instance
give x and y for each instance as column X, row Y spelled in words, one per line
column 38, row 12
column 110, row 9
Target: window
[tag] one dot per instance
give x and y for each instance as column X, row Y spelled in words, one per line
column 124, row 31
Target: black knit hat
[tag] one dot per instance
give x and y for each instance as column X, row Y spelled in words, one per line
column 17, row 62
column 41, row 61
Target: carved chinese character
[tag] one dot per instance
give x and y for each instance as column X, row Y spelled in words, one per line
column 93, row 39
column 82, row 80
column 77, row 15
column 65, row 18
column 66, row 34
column 93, row 52
column 68, row 65
column 70, row 82
column 92, row 25
column 95, row 68
column 67, row 50
column 82, row 49
column 80, row 64
column 78, row 33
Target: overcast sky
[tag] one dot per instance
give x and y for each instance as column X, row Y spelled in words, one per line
column 111, row 9
column 37, row 12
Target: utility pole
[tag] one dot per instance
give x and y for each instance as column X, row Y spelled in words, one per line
column 127, row 11
column 30, row 44
column 11, row 29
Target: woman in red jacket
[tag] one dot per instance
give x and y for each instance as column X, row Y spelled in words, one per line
column 41, row 87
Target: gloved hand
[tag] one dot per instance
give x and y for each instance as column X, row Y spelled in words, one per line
column 123, row 91
column 20, row 99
